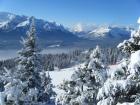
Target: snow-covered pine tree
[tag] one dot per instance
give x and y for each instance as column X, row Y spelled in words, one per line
column 71, row 92
column 124, row 83
column 31, row 71
column 47, row 89
column 12, row 91
column 27, row 85
column 28, row 64
column 97, row 64
column 95, row 75
column 85, row 82
column 131, row 45
column 28, row 60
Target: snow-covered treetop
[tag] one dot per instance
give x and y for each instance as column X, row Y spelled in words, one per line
column 133, row 44
column 29, row 43
column 96, row 56
column 28, row 55
column 96, row 53
column 139, row 20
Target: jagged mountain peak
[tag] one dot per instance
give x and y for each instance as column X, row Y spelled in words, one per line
column 9, row 21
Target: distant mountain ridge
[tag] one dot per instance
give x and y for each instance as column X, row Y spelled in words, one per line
column 16, row 21
column 105, row 32
column 13, row 27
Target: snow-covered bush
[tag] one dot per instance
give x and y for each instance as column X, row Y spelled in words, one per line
column 124, row 83
column 131, row 45
column 85, row 81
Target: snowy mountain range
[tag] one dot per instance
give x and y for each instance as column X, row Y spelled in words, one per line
column 13, row 27
column 105, row 31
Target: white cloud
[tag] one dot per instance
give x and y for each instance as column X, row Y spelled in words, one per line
column 78, row 27
column 138, row 20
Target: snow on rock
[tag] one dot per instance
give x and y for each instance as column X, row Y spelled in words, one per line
column 100, row 31
column 24, row 23
column 11, row 16
column 2, row 24
column 107, row 32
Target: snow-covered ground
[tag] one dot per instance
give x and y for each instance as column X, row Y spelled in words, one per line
column 65, row 74
column 59, row 76
column 126, row 104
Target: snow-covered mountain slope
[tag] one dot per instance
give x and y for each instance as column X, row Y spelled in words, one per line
column 118, row 32
column 9, row 21
column 105, row 35
column 13, row 27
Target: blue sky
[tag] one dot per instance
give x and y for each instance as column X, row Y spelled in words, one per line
column 69, row 12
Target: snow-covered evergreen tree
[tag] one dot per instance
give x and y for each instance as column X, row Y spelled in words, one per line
column 29, row 67
column 131, row 45
column 97, row 65
column 28, row 85
column 124, row 83
column 71, row 92
column 47, row 94
column 31, row 70
column 12, row 93
column 28, row 59
column 85, row 82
